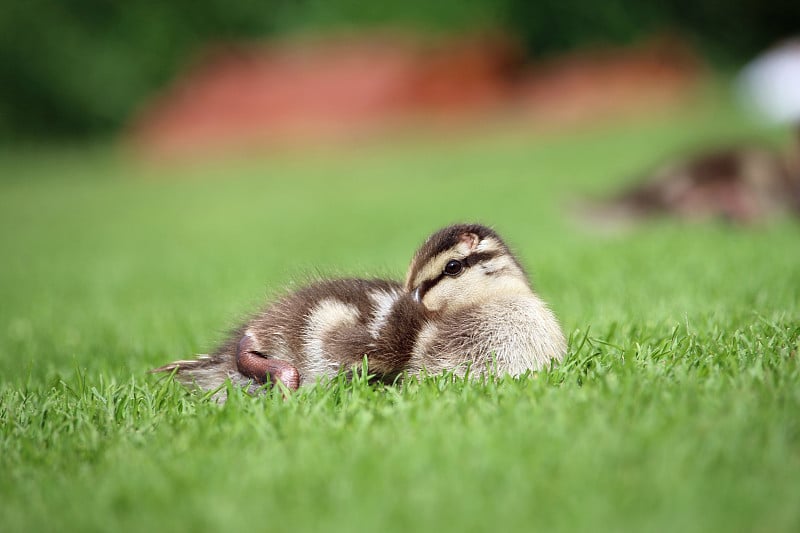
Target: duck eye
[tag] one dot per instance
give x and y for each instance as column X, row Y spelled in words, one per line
column 453, row 267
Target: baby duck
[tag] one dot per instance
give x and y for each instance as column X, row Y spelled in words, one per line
column 306, row 334
column 478, row 307
column 466, row 303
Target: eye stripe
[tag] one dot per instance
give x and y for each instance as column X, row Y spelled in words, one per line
column 468, row 261
column 428, row 285
column 477, row 257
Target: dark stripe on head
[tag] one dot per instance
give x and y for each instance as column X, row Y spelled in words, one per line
column 474, row 259
column 470, row 260
column 428, row 284
column 445, row 239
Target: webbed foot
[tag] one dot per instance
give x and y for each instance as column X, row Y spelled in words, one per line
column 254, row 365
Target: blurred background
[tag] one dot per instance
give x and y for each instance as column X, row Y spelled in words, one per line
column 164, row 165
column 180, row 76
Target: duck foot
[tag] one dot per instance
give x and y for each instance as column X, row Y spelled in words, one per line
column 260, row 368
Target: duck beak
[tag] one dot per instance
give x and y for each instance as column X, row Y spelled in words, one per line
column 415, row 295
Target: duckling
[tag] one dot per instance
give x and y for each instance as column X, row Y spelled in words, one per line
column 479, row 309
column 742, row 184
column 306, row 334
column 466, row 303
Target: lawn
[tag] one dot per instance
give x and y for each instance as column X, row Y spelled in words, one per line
column 677, row 408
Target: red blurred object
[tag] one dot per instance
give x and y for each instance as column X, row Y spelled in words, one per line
column 335, row 88
column 595, row 83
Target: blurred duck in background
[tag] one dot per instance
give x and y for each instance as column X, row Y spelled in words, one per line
column 744, row 183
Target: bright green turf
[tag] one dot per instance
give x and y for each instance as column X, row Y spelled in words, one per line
column 677, row 409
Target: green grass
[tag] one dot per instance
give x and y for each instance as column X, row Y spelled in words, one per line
column 677, row 408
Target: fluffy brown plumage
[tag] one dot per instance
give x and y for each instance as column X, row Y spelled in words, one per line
column 466, row 302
